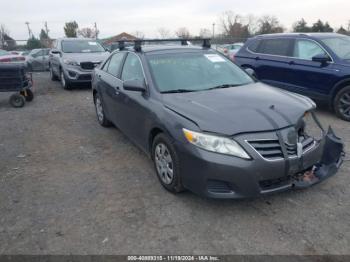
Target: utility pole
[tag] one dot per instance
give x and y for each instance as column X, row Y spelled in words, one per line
column 213, row 30
column 46, row 29
column 96, row 31
column 29, row 30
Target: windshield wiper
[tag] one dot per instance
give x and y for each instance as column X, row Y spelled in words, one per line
column 222, row 86
column 179, row 91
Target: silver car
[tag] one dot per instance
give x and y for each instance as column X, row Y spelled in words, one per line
column 38, row 59
column 72, row 60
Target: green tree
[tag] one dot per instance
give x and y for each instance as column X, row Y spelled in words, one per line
column 71, row 29
column 44, row 38
column 342, row 31
column 319, row 26
column 33, row 43
column 301, row 26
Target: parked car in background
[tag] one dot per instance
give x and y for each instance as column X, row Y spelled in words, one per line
column 7, row 57
column 38, row 59
column 211, row 128
column 315, row 64
column 230, row 50
column 72, row 60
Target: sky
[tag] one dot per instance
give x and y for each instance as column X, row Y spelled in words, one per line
column 115, row 16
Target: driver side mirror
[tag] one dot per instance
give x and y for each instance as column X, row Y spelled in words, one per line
column 134, row 85
column 56, row 52
column 321, row 58
column 250, row 72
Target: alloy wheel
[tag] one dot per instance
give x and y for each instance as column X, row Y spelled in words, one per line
column 164, row 164
column 344, row 104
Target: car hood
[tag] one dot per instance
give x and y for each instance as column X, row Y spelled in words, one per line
column 250, row 108
column 86, row 57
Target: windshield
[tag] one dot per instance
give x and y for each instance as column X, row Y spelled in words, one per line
column 195, row 72
column 3, row 52
column 81, row 46
column 339, row 45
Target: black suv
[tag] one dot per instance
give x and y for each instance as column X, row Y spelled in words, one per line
column 209, row 126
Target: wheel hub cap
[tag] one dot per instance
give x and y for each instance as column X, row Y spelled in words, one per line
column 164, row 164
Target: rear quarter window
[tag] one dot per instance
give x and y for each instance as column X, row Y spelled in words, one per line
column 278, row 46
column 254, row 45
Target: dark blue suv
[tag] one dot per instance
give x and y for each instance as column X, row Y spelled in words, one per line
column 316, row 65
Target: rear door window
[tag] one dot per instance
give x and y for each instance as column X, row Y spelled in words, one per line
column 279, row 46
column 306, row 49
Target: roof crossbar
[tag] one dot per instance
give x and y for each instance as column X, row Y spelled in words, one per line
column 184, row 41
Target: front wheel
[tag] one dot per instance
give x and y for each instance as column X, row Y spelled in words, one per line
column 342, row 104
column 65, row 84
column 17, row 100
column 166, row 163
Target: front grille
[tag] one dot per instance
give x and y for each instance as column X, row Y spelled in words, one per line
column 274, row 183
column 272, row 150
column 88, row 65
column 84, row 77
column 269, row 149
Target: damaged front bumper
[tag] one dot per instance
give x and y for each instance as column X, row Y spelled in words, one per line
column 332, row 158
column 220, row 176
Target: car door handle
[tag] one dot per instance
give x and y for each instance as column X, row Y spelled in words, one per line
column 291, row 63
column 257, row 58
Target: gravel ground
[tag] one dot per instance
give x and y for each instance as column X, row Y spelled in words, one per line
column 69, row 186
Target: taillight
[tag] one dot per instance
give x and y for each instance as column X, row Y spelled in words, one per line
column 233, row 57
column 225, row 50
column 5, row 60
column 21, row 58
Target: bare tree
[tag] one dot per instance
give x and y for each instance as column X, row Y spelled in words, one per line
column 163, row 32
column 6, row 42
column 205, row 33
column 235, row 25
column 3, row 33
column 183, row 32
column 88, row 32
column 139, row 34
column 269, row 25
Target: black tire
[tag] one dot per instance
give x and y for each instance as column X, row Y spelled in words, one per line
column 28, row 95
column 341, row 103
column 100, row 113
column 17, row 100
column 174, row 184
column 53, row 77
column 65, row 84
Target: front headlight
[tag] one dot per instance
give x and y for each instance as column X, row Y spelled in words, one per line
column 221, row 145
column 70, row 62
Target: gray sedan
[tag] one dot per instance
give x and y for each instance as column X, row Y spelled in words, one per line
column 38, row 59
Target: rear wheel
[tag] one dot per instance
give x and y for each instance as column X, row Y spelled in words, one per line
column 166, row 163
column 17, row 100
column 101, row 117
column 342, row 103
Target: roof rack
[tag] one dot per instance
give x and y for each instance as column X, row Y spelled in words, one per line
column 184, row 41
